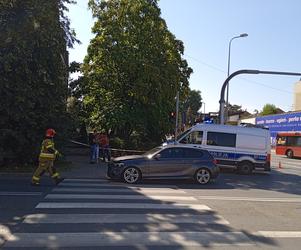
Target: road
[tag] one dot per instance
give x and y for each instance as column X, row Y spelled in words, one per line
column 261, row 211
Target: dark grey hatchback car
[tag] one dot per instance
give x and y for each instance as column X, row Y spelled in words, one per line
column 165, row 162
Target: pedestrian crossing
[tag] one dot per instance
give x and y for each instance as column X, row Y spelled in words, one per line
column 97, row 213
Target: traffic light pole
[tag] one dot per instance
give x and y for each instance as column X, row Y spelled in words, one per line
column 245, row 71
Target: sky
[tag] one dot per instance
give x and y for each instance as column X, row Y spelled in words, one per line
column 206, row 27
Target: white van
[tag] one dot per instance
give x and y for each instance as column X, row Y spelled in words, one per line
column 242, row 148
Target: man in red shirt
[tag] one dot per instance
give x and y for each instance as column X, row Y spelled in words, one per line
column 105, row 148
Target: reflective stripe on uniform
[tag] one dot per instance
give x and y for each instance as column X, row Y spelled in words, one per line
column 47, row 156
column 55, row 175
column 36, row 178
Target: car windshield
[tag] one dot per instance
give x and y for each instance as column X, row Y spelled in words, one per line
column 152, row 151
column 183, row 134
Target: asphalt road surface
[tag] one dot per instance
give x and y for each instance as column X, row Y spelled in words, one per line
column 261, row 211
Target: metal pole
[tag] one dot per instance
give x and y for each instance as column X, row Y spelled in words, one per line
column 177, row 115
column 245, row 71
column 228, row 71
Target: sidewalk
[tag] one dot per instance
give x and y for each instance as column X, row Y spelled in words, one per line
column 81, row 168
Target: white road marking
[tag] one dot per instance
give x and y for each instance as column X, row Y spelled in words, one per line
column 280, row 234
column 111, row 238
column 5, row 234
column 109, row 184
column 125, row 218
column 225, row 198
column 119, row 197
column 90, row 205
column 85, row 180
column 20, row 193
column 131, row 190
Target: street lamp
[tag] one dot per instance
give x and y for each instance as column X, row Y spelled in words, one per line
column 229, row 56
column 204, row 107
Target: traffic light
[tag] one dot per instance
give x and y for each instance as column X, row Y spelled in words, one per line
column 172, row 116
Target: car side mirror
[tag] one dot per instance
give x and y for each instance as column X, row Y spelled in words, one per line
column 157, row 157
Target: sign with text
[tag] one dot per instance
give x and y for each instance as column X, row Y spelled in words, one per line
column 287, row 122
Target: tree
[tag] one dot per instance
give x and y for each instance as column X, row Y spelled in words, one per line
column 234, row 109
column 133, row 70
column 269, row 109
column 191, row 106
column 33, row 72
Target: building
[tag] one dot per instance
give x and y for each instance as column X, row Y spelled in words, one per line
column 297, row 96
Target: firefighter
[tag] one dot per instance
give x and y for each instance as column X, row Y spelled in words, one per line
column 46, row 159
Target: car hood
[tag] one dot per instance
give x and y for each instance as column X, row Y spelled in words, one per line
column 129, row 157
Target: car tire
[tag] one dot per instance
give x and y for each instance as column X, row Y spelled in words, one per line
column 131, row 175
column 290, row 154
column 245, row 168
column 203, row 176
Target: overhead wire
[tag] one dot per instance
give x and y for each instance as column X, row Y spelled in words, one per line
column 251, row 81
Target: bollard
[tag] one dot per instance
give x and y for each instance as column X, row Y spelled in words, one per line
column 279, row 165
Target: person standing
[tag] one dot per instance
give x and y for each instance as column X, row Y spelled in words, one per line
column 94, row 147
column 105, row 148
column 47, row 157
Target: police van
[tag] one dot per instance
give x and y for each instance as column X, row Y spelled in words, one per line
column 242, row 148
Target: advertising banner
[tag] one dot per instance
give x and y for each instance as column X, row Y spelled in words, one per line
column 288, row 122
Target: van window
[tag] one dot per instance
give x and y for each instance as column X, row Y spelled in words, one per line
column 194, row 137
column 221, row 139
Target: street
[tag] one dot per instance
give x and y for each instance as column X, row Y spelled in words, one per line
column 261, row 211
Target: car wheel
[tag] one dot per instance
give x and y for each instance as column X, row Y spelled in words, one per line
column 290, row 154
column 245, row 168
column 203, row 176
column 131, row 175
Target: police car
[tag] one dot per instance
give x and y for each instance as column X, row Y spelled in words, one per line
column 242, row 148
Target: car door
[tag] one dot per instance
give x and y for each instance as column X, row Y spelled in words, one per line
column 193, row 157
column 167, row 163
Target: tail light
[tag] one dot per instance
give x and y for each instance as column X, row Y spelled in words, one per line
column 214, row 161
column 268, row 157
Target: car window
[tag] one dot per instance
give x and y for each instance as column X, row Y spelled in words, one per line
column 221, row 139
column 193, row 153
column 171, row 153
column 194, row 137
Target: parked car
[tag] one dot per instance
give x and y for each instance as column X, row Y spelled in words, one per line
column 165, row 162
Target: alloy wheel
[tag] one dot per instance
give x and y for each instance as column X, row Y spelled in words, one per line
column 203, row 176
column 131, row 175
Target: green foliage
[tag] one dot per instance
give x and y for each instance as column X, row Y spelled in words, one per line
column 133, row 70
column 234, row 109
column 33, row 74
column 269, row 109
column 191, row 106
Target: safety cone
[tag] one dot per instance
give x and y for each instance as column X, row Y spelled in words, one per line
column 279, row 165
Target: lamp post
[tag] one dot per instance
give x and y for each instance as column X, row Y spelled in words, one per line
column 228, row 72
column 204, row 107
